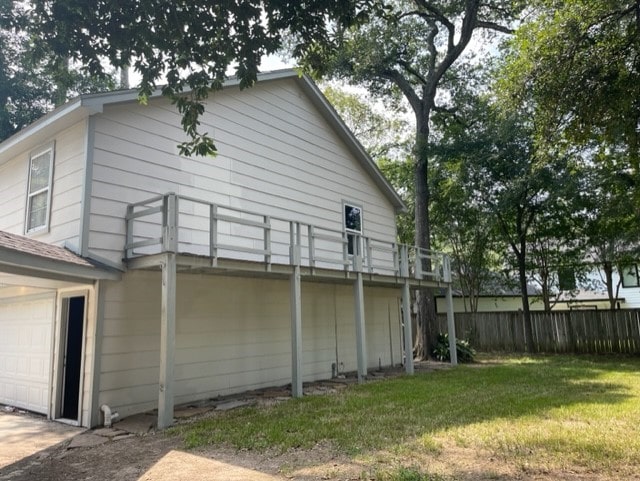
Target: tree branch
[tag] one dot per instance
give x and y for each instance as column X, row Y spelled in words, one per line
column 494, row 26
column 405, row 87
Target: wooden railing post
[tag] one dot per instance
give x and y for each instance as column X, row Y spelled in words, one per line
column 312, row 247
column 267, row 242
column 128, row 253
column 418, row 263
column 170, row 223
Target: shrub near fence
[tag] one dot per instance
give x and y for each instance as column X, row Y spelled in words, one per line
column 558, row 331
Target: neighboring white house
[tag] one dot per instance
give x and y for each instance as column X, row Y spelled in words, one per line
column 135, row 278
column 627, row 288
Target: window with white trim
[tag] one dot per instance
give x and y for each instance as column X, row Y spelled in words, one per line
column 39, row 189
column 352, row 225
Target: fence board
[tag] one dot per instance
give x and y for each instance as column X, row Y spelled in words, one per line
column 558, row 331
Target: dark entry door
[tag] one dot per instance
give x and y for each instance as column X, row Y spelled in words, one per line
column 73, row 357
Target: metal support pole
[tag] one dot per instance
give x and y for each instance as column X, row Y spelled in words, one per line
column 167, row 341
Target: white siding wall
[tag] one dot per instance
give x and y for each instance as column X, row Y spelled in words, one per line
column 233, row 334
column 277, row 156
column 631, row 295
column 68, row 177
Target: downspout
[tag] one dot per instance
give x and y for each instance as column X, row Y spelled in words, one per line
column 109, row 415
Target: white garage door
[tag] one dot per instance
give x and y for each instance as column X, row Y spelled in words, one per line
column 25, row 352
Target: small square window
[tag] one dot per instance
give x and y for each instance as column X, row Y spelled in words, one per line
column 353, row 227
column 630, row 276
column 39, row 190
column 353, row 218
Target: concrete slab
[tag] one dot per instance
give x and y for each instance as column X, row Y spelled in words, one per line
column 138, row 423
column 190, row 466
column 87, row 441
column 23, row 435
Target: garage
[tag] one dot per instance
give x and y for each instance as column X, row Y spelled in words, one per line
column 26, row 325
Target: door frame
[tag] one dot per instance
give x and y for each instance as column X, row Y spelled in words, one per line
column 60, row 352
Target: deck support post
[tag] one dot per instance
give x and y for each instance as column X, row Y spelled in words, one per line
column 361, row 338
column 296, row 334
column 451, row 325
column 406, row 310
column 167, row 341
column 408, row 332
column 296, row 311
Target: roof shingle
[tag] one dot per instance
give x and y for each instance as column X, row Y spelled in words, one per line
column 30, row 246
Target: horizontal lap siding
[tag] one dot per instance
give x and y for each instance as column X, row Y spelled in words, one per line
column 232, row 335
column 276, row 156
column 68, row 177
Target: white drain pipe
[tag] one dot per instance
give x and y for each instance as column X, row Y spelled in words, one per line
column 109, row 415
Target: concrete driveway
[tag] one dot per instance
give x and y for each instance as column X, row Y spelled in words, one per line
column 23, row 435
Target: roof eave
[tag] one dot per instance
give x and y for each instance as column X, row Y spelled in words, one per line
column 356, row 148
column 23, row 263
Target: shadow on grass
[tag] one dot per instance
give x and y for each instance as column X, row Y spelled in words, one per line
column 378, row 416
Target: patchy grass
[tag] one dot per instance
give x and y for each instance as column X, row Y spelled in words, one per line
column 554, row 412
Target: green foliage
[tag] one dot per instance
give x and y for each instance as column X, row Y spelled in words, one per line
column 188, row 44
column 464, row 350
column 32, row 79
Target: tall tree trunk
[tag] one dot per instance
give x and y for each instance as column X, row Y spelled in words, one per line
column 607, row 267
column 426, row 333
column 526, row 312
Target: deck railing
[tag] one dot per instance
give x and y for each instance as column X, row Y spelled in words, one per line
column 181, row 224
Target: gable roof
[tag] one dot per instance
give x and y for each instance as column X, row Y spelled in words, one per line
column 86, row 105
column 23, row 255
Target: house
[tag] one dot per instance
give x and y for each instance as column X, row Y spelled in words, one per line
column 509, row 302
column 132, row 278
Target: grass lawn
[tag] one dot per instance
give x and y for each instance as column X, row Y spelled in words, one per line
column 557, row 416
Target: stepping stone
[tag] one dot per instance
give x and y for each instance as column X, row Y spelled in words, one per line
column 184, row 413
column 138, row 424
column 233, row 405
column 86, row 441
column 108, row 432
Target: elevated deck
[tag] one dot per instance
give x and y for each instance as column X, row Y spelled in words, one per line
column 214, row 239
column 173, row 233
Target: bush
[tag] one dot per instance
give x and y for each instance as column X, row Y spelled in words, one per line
column 465, row 352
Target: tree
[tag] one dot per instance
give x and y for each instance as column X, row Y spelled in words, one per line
column 611, row 229
column 32, row 83
column 385, row 139
column 461, row 225
column 407, row 52
column 578, row 66
column 189, row 45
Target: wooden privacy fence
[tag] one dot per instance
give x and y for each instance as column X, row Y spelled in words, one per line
column 558, row 331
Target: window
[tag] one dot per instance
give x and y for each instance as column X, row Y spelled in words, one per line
column 567, row 279
column 352, row 226
column 39, row 189
column 630, row 276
